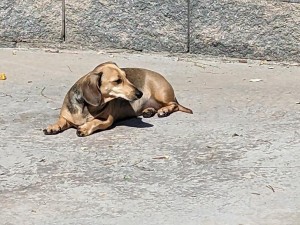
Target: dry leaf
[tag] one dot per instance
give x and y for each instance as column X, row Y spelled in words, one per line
column 52, row 50
column 243, row 61
column 161, row 157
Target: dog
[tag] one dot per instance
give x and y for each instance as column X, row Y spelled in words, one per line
column 109, row 93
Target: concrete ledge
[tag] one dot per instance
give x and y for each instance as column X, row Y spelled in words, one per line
column 30, row 21
column 138, row 25
column 250, row 29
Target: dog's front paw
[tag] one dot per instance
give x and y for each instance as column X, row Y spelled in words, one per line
column 149, row 112
column 80, row 133
column 83, row 131
column 163, row 112
column 52, row 129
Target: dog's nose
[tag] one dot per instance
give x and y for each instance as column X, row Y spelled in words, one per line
column 138, row 94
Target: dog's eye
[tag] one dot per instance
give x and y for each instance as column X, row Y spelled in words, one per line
column 119, row 81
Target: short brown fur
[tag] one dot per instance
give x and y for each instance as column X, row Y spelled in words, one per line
column 109, row 93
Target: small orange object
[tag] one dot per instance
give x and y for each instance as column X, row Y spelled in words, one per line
column 2, row 76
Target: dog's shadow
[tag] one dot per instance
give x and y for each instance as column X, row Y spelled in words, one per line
column 132, row 122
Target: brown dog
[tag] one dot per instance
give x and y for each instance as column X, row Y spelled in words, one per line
column 109, row 93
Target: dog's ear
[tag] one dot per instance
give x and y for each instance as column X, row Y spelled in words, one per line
column 91, row 89
column 99, row 68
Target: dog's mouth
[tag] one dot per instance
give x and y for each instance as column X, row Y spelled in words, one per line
column 132, row 97
column 137, row 95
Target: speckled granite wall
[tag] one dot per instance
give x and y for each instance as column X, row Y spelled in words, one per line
column 246, row 28
column 30, row 21
column 258, row 29
column 130, row 24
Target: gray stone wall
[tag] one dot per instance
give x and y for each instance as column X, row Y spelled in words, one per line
column 130, row 24
column 30, row 21
column 246, row 28
column 259, row 29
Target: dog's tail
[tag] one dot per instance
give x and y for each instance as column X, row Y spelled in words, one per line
column 183, row 109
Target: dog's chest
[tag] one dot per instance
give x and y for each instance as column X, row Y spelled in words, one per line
column 92, row 112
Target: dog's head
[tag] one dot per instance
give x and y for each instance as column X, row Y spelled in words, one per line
column 107, row 82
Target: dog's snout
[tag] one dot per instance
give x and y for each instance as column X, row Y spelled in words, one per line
column 138, row 94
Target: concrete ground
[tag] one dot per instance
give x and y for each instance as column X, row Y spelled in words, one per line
column 236, row 160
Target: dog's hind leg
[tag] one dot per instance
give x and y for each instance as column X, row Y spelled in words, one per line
column 61, row 125
column 168, row 109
